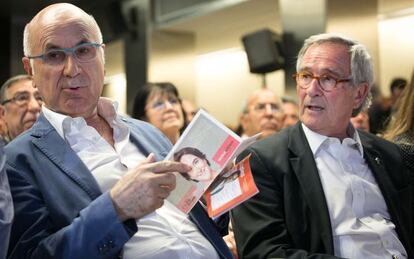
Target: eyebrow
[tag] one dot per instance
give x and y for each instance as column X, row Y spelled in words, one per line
column 53, row 46
column 324, row 71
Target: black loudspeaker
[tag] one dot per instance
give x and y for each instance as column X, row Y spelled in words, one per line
column 264, row 51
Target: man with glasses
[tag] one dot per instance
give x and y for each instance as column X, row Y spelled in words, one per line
column 20, row 105
column 327, row 190
column 263, row 112
column 84, row 179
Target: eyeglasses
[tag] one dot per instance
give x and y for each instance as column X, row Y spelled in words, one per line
column 84, row 52
column 162, row 104
column 261, row 107
column 23, row 98
column 326, row 82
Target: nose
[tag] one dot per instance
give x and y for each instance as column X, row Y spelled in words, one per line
column 314, row 89
column 71, row 68
column 168, row 105
column 268, row 110
column 33, row 105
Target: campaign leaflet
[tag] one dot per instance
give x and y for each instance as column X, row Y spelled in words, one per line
column 230, row 189
column 209, row 148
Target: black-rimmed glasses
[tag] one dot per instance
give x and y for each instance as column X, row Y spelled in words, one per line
column 23, row 98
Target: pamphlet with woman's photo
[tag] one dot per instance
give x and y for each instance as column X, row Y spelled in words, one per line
column 209, row 148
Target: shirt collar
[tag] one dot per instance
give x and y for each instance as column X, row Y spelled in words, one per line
column 106, row 108
column 316, row 140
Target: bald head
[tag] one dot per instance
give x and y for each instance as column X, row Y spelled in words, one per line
column 263, row 113
column 60, row 13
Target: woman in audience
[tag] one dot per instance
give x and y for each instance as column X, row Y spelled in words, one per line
column 401, row 127
column 160, row 105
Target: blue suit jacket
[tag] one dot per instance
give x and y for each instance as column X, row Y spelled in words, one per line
column 60, row 211
column 6, row 206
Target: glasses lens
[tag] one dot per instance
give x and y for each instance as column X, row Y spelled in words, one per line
column 54, row 57
column 327, row 82
column 22, row 98
column 304, row 78
column 85, row 53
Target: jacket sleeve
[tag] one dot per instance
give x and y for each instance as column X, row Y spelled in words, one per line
column 259, row 223
column 95, row 233
column 6, row 213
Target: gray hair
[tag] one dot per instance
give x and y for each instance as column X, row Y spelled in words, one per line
column 362, row 70
column 10, row 82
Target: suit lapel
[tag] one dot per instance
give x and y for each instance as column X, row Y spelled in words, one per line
column 48, row 141
column 199, row 217
column 389, row 192
column 304, row 167
column 142, row 143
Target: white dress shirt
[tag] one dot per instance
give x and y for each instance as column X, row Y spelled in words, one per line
column 361, row 224
column 165, row 233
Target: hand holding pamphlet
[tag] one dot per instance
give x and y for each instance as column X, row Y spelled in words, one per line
column 210, row 148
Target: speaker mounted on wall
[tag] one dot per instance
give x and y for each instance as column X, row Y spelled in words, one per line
column 264, row 49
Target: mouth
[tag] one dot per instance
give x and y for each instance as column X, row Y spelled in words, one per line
column 315, row 108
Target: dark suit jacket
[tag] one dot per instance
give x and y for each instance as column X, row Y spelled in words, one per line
column 60, row 211
column 289, row 217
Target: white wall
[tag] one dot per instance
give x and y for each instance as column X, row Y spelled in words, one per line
column 396, row 48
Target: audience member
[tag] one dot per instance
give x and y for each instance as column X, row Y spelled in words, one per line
column 6, row 207
column 83, row 178
column 160, row 105
column 291, row 110
column 382, row 108
column 189, row 110
column 361, row 121
column 401, row 127
column 263, row 113
column 396, row 88
column 20, row 105
column 325, row 189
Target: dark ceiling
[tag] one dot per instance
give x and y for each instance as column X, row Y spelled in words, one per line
column 28, row 8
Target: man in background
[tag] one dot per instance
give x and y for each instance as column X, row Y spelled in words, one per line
column 291, row 110
column 20, row 105
column 263, row 112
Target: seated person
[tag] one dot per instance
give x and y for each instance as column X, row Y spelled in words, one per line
column 160, row 105
column 327, row 190
column 20, row 105
column 263, row 113
column 84, row 179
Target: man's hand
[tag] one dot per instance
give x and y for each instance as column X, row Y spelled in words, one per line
column 143, row 189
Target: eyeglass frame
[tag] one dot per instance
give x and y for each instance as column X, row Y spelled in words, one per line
column 278, row 108
column 162, row 105
column 67, row 51
column 14, row 99
column 318, row 78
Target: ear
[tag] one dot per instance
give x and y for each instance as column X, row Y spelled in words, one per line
column 2, row 111
column 360, row 94
column 26, row 65
column 244, row 121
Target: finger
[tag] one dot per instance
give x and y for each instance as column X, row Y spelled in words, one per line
column 163, row 193
column 169, row 166
column 149, row 159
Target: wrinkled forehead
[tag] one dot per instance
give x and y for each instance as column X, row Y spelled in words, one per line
column 264, row 97
column 20, row 86
column 62, row 23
